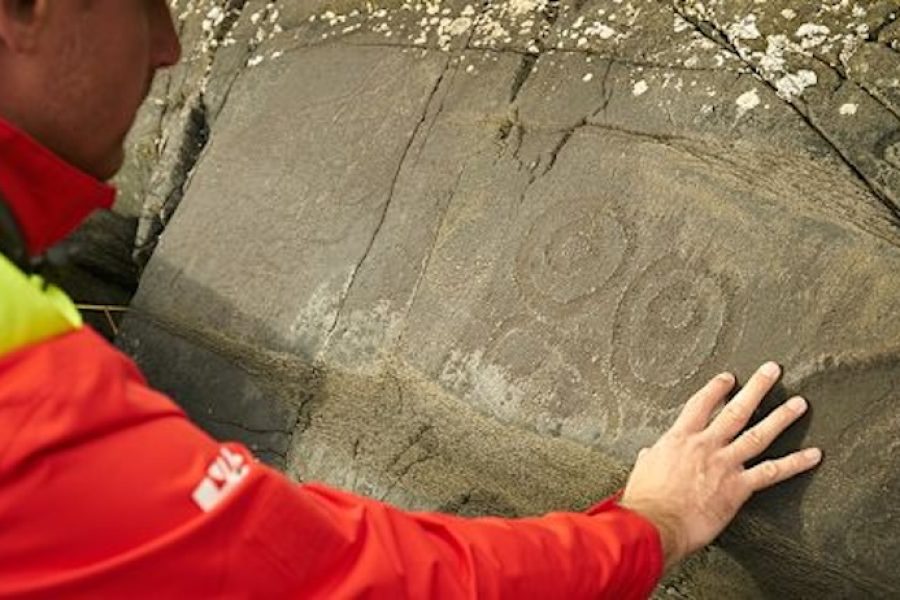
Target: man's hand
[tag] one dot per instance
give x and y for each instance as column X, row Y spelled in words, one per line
column 692, row 482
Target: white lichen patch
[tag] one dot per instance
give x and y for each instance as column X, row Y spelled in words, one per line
column 526, row 7
column 812, row 35
column 792, row 85
column 429, row 23
column 759, row 39
column 747, row 102
column 600, row 30
column 772, row 61
column 744, row 29
column 848, row 109
column 831, row 30
column 680, row 24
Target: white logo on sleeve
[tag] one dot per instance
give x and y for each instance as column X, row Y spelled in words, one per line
column 222, row 476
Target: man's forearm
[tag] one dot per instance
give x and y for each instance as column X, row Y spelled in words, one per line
column 609, row 552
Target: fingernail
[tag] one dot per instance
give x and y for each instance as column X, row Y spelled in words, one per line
column 725, row 377
column 770, row 369
column 813, row 455
column 797, row 404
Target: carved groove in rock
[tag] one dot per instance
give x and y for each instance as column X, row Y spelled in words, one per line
column 675, row 318
column 581, row 293
column 571, row 254
column 535, row 352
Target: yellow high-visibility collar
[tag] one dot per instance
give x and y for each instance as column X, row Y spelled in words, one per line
column 31, row 311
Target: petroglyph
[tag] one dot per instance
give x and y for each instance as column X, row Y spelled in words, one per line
column 570, row 253
column 557, row 219
column 671, row 322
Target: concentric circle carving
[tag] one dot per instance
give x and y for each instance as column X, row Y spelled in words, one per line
column 672, row 321
column 570, row 254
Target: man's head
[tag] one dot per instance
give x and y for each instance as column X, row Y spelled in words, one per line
column 74, row 72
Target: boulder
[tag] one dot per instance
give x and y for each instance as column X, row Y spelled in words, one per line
column 473, row 256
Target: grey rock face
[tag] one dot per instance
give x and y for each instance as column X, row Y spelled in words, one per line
column 473, row 257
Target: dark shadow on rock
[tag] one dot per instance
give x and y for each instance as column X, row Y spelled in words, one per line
column 836, row 517
column 765, row 559
column 96, row 270
column 235, row 389
column 783, row 502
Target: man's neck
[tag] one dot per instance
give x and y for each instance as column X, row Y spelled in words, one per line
column 47, row 197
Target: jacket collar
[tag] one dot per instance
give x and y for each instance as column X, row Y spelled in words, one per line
column 47, row 196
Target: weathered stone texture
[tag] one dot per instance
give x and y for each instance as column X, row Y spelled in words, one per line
column 474, row 257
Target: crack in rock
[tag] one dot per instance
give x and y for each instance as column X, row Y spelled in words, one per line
column 715, row 34
column 383, row 216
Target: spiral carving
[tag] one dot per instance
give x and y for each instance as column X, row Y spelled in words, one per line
column 671, row 322
column 570, row 255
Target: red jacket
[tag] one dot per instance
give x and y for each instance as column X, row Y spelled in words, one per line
column 108, row 491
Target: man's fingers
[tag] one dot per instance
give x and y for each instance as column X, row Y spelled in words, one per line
column 756, row 439
column 770, row 472
column 736, row 414
column 699, row 408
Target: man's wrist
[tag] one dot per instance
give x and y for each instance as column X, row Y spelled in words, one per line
column 667, row 528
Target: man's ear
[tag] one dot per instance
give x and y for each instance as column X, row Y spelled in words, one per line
column 21, row 21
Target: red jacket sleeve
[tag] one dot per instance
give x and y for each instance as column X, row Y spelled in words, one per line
column 355, row 547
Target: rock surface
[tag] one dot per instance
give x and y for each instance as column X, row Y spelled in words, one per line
column 97, row 270
column 473, row 256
